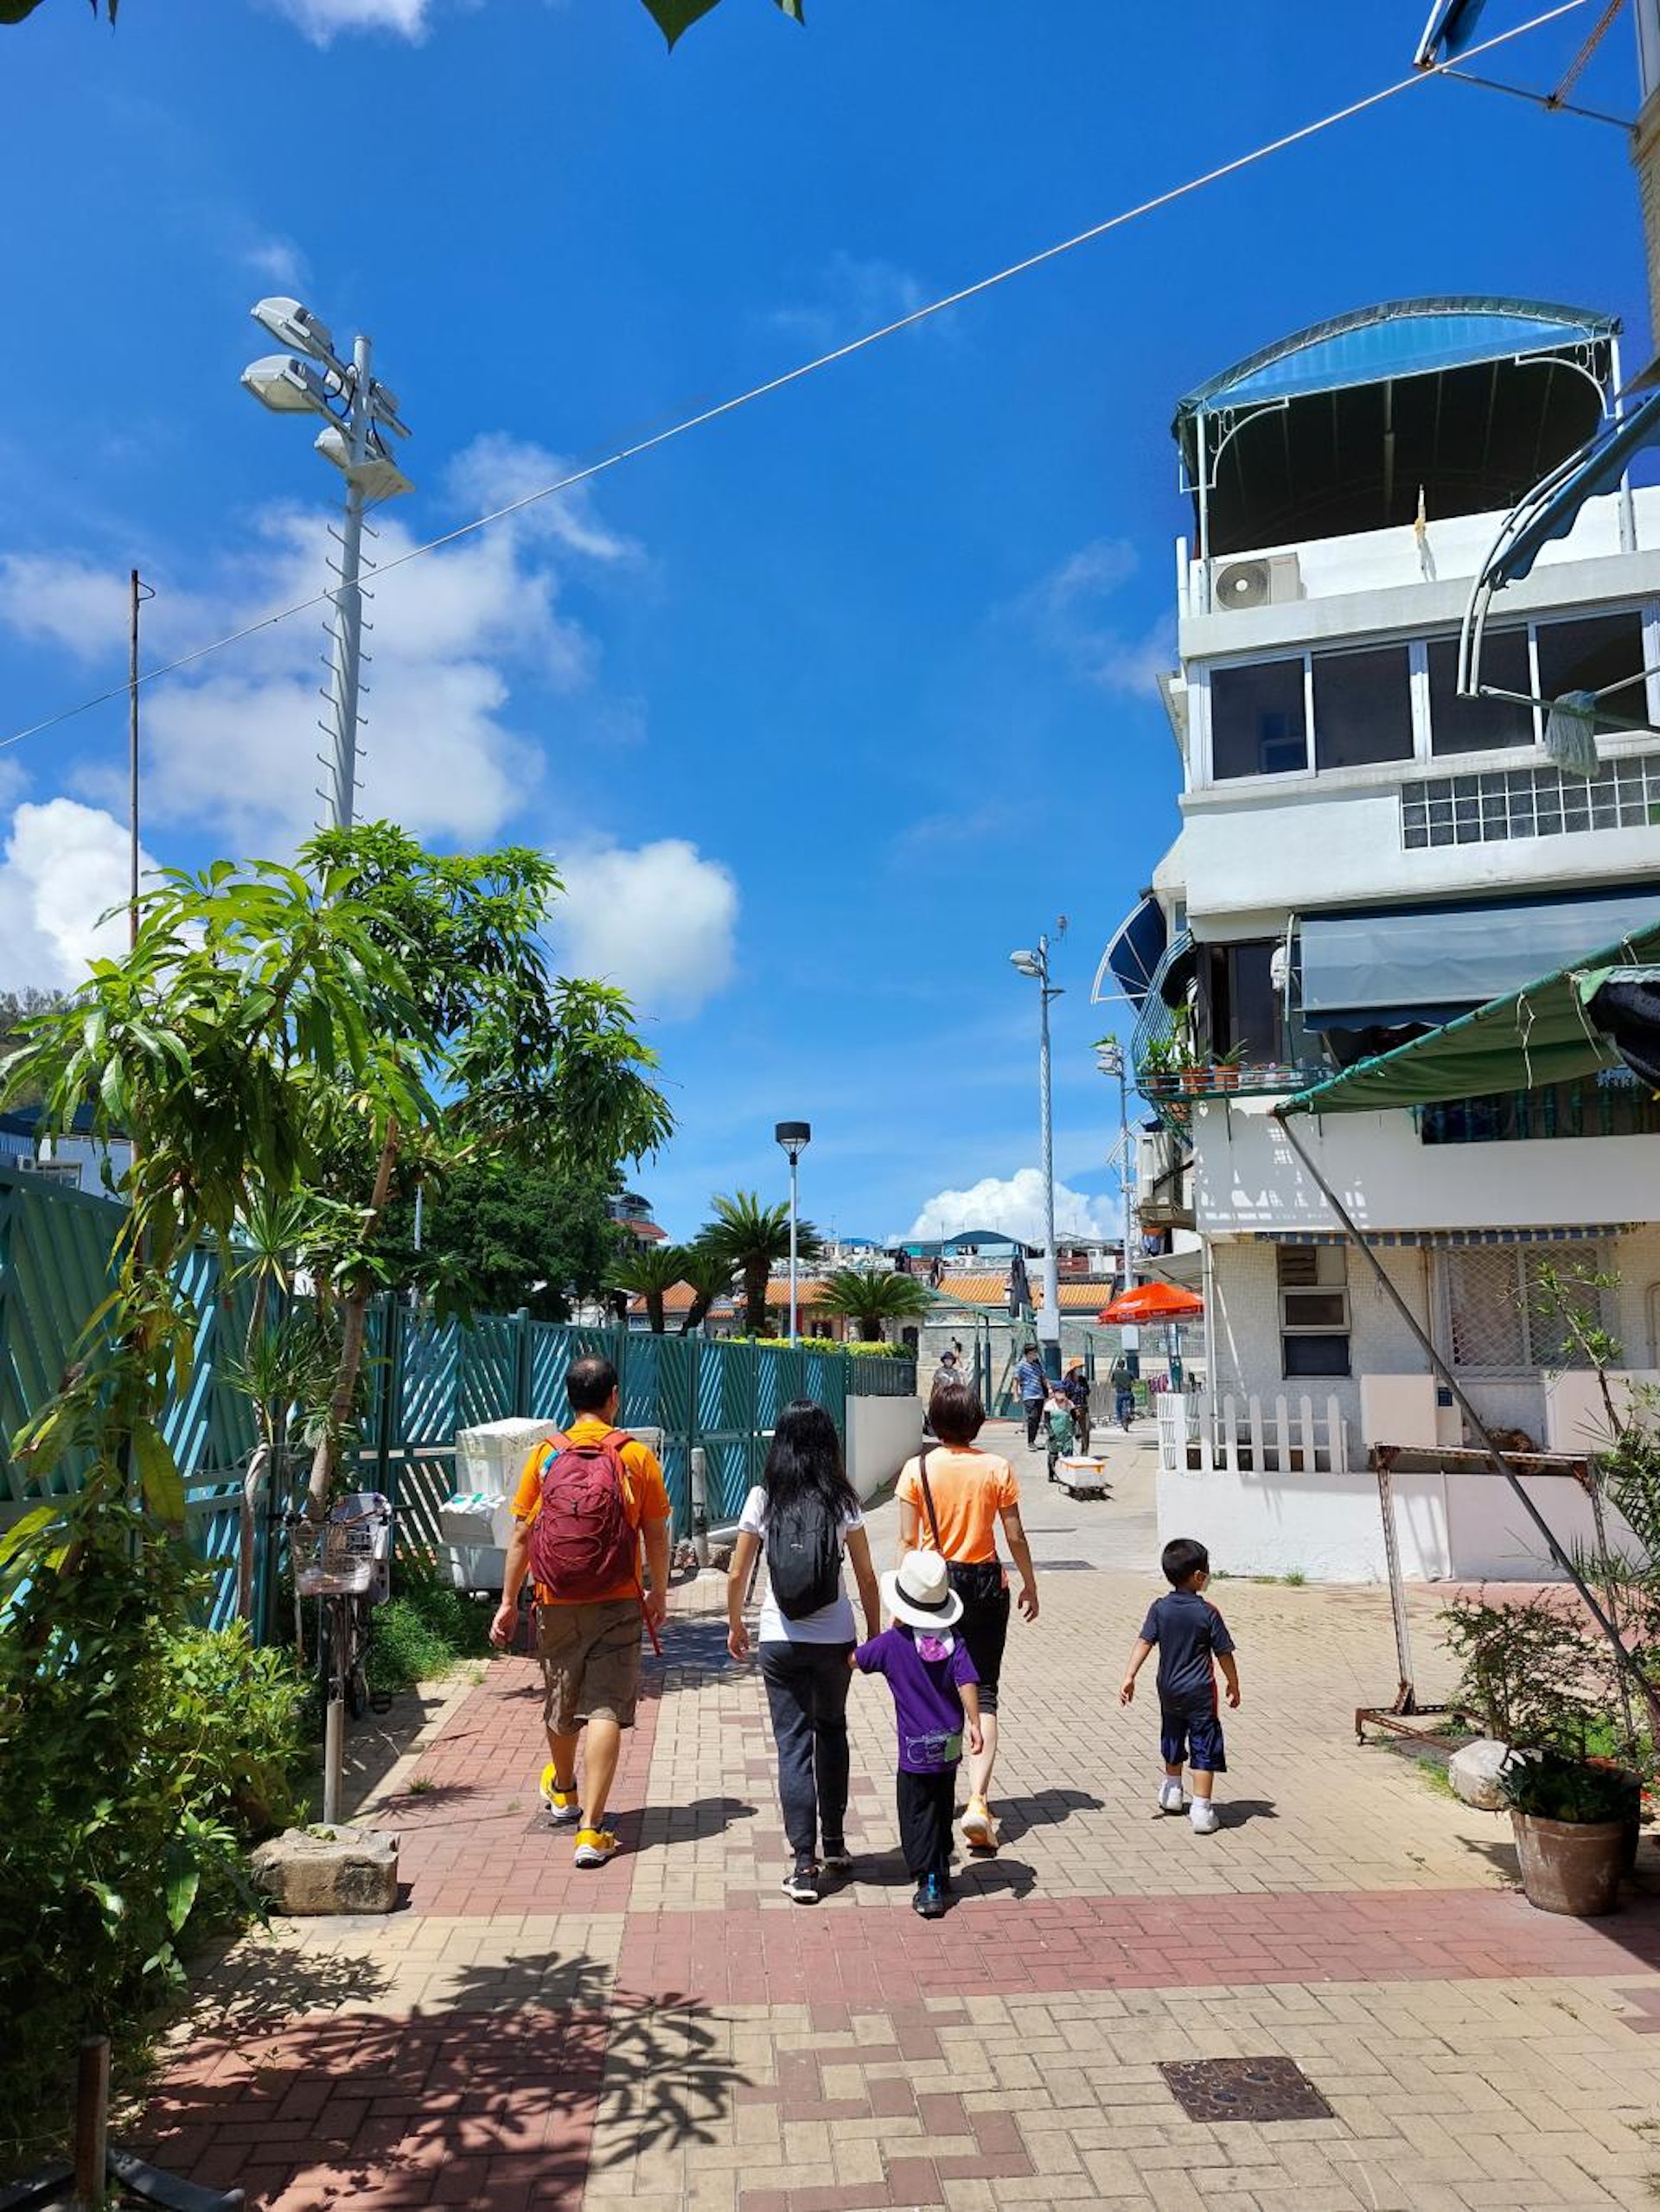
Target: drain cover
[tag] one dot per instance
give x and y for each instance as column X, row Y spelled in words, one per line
column 1245, row 2088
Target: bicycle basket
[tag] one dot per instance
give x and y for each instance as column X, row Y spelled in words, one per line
column 336, row 1561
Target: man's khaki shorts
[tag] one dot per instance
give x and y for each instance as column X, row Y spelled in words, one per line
column 590, row 1661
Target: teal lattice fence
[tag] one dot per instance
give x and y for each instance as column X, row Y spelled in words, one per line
column 423, row 1380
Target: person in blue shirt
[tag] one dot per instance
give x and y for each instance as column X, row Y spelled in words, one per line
column 1032, row 1386
column 1192, row 1640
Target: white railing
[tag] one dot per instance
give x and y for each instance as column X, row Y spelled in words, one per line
column 1245, row 1436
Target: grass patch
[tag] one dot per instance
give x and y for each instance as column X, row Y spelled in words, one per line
column 426, row 1630
column 1434, row 1776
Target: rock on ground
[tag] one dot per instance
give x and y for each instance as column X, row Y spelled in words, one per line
column 338, row 1870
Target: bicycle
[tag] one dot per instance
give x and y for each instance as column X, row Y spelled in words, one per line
column 346, row 1568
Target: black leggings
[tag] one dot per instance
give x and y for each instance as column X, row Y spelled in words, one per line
column 926, row 1802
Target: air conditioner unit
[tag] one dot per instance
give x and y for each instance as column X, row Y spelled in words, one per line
column 1272, row 581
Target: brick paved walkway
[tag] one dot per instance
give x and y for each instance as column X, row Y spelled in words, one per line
column 672, row 2030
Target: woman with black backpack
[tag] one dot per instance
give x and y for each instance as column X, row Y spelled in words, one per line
column 807, row 1516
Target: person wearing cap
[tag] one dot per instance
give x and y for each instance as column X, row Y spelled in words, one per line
column 1075, row 1384
column 935, row 1695
column 952, row 1498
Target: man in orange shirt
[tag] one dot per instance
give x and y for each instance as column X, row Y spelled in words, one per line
column 589, row 1646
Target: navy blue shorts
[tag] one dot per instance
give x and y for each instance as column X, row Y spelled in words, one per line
column 1191, row 1736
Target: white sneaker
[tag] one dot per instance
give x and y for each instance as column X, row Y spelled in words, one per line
column 1171, row 1799
column 1204, row 1817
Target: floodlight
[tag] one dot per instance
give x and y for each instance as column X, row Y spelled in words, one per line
column 1028, row 963
column 383, row 406
column 794, row 1137
column 290, row 324
column 375, row 477
column 288, row 386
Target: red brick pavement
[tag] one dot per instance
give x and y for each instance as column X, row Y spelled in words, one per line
column 1007, row 1948
column 388, row 2113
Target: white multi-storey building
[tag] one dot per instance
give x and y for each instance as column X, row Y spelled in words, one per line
column 1366, row 854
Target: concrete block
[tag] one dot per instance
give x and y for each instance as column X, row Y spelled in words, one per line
column 338, row 1870
column 1473, row 1773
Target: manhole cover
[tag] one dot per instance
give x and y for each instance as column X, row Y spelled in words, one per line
column 1245, row 2088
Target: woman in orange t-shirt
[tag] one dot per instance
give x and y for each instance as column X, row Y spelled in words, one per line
column 950, row 1501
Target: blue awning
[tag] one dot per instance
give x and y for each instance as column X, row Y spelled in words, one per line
column 1403, row 964
column 1596, row 468
column 1451, row 27
column 1135, row 950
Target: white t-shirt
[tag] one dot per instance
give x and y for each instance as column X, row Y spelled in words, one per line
column 831, row 1623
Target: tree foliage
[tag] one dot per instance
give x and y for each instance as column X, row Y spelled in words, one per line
column 496, row 1236
column 673, row 16
column 873, row 1296
column 751, row 1238
column 650, row 1272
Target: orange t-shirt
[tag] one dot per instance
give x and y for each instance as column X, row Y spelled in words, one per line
column 970, row 1488
column 645, row 1498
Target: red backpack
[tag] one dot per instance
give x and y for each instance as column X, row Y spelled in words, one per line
column 582, row 1542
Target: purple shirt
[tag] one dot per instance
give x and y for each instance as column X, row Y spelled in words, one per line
column 925, row 1700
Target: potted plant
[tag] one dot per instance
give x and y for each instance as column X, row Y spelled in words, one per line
column 1573, row 1822
column 1225, row 1072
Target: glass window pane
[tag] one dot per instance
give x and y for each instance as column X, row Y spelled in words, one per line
column 1586, row 655
column 1316, row 1355
column 1315, row 1308
column 1459, row 725
column 1253, row 1004
column 1257, row 722
column 1362, row 707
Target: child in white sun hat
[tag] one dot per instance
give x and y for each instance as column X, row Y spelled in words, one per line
column 937, row 1703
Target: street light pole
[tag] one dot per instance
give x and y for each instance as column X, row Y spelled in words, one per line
column 1036, row 964
column 794, row 1137
column 1109, row 1058
column 312, row 379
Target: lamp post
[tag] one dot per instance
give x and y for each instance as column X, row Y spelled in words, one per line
column 1036, row 964
column 310, row 378
column 794, row 1137
column 1109, row 1059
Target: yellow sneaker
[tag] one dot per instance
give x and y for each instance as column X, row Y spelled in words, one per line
column 562, row 1806
column 979, row 1828
column 596, row 1847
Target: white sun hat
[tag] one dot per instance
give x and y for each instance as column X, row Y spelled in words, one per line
column 919, row 1592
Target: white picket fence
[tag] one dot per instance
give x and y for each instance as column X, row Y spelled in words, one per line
column 1244, row 1437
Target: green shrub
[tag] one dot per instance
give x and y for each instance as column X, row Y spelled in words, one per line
column 425, row 1629
column 136, row 1762
column 1553, row 1785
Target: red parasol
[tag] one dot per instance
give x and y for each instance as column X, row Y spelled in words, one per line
column 1153, row 1302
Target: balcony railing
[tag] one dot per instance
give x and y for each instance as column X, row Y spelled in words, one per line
column 1614, row 1105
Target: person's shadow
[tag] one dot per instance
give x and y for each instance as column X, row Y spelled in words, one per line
column 1235, row 1812
column 1044, row 1809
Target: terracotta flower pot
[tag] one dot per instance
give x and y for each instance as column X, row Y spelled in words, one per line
column 1571, row 1867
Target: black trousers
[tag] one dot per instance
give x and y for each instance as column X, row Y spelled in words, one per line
column 926, row 1803
column 807, row 1689
column 1033, row 1409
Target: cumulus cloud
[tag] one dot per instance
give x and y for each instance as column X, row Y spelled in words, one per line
column 277, row 260
column 658, row 920
column 63, row 866
column 233, row 741
column 1015, row 1205
column 1069, row 613
column 323, row 21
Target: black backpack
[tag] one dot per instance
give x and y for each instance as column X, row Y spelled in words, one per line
column 803, row 1559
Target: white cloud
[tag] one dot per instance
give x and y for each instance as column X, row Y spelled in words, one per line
column 495, row 469
column 1067, row 611
column 277, row 261
column 323, row 21
column 1014, row 1205
column 851, row 296
column 657, row 920
column 64, row 865
column 232, row 742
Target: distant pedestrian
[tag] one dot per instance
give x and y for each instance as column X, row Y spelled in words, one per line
column 1031, row 1387
column 951, row 1366
column 581, row 1513
column 805, row 1513
column 930, row 1672
column 951, row 1499
column 1123, row 1384
column 1059, row 1427
column 1075, row 1384
column 1188, row 1633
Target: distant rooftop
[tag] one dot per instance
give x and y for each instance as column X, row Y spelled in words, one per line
column 1337, row 428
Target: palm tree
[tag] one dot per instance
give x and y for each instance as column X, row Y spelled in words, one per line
column 709, row 1274
column 872, row 1300
column 651, row 1271
column 751, row 1238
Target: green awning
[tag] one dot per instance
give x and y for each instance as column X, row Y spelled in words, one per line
column 1540, row 1033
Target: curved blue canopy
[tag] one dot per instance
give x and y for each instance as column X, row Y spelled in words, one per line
column 1396, row 338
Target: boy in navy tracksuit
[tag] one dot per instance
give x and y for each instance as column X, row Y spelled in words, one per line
column 1189, row 1635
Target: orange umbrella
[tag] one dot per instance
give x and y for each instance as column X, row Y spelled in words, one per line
column 1153, row 1302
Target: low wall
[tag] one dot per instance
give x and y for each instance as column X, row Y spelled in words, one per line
column 883, row 1433
column 1330, row 1528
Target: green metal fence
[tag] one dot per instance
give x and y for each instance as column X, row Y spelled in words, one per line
column 424, row 1379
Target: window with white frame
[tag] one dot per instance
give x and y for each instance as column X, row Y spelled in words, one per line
column 1494, row 1309
column 1313, row 1280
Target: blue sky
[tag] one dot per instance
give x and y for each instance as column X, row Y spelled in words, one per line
column 825, row 707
